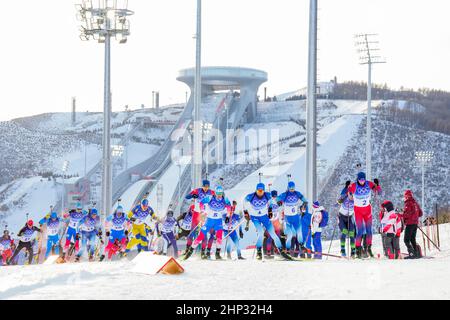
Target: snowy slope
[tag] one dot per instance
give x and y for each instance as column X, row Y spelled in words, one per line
column 127, row 199
column 280, row 280
column 34, row 196
column 333, row 140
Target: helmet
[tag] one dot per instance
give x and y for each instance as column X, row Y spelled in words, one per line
column 316, row 204
column 291, row 185
column 361, row 176
column 170, row 213
column 79, row 206
column 205, row 183
column 94, row 211
column 30, row 223
column 261, row 186
column 274, row 193
column 219, row 191
column 119, row 209
column 144, row 202
column 53, row 215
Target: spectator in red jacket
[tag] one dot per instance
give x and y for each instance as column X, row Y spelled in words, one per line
column 411, row 214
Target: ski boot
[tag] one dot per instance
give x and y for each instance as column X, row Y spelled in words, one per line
column 353, row 253
column 229, row 256
column 208, row 253
column 203, row 255
column 302, row 253
column 77, row 258
column 343, row 254
column 364, row 253
column 286, row 255
column 269, row 256
column 91, row 257
column 359, row 253
column 188, row 253
column 185, row 251
column 218, row 257
column 102, row 257
column 258, row 254
column 240, row 257
column 369, row 252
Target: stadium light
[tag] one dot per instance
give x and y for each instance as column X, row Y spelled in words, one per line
column 197, row 159
column 424, row 157
column 365, row 44
column 65, row 167
column 100, row 22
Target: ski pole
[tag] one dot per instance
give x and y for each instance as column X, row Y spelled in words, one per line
column 234, row 229
column 326, row 254
column 332, row 238
column 428, row 237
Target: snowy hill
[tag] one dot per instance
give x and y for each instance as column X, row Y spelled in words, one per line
column 39, row 145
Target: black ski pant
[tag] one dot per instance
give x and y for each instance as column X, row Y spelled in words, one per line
column 28, row 247
column 410, row 238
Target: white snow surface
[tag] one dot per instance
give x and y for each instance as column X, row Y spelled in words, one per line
column 317, row 279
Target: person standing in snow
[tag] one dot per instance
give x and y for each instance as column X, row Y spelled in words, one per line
column 256, row 208
column 319, row 220
column 346, row 223
column 138, row 215
column 166, row 228
column 91, row 229
column 72, row 234
column 26, row 236
column 53, row 227
column 197, row 195
column 6, row 247
column 214, row 207
column 411, row 214
column 361, row 190
column 277, row 218
column 293, row 202
column 389, row 229
column 117, row 233
column 230, row 222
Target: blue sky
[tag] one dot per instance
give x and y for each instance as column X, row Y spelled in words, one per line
column 43, row 63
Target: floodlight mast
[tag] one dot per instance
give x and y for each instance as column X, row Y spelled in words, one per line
column 197, row 158
column 424, row 157
column 100, row 23
column 366, row 49
column 311, row 106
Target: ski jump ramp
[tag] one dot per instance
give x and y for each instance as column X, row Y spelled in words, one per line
column 239, row 110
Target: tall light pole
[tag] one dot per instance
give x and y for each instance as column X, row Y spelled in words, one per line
column 366, row 49
column 65, row 167
column 101, row 22
column 424, row 157
column 197, row 158
column 311, row 107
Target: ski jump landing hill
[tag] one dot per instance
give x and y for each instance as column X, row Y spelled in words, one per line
column 221, row 107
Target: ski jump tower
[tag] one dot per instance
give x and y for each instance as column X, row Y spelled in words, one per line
column 245, row 80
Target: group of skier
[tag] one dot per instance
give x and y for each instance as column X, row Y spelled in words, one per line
column 284, row 225
column 275, row 217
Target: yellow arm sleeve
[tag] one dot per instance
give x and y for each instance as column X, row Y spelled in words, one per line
column 130, row 214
